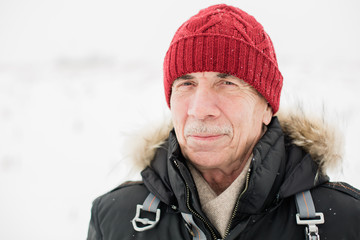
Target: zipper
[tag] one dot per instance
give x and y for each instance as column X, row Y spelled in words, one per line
column 237, row 203
column 193, row 211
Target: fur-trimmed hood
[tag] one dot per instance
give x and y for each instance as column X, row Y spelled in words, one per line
column 322, row 140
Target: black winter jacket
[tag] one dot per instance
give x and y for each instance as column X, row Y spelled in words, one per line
column 265, row 210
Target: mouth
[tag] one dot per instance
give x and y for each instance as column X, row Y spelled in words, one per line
column 206, row 137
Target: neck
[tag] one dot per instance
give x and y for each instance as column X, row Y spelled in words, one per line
column 220, row 179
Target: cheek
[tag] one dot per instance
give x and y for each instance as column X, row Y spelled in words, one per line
column 238, row 111
column 178, row 115
column 240, row 114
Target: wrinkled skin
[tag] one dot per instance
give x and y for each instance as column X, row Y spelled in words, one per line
column 218, row 119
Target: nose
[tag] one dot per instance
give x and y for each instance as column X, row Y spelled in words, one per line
column 203, row 104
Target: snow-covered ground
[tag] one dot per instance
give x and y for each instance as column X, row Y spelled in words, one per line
column 77, row 77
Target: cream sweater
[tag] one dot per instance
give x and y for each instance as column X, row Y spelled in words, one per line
column 219, row 208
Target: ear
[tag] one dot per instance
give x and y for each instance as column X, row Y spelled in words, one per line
column 268, row 113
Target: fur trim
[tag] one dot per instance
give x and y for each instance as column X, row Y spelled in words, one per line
column 322, row 140
column 141, row 147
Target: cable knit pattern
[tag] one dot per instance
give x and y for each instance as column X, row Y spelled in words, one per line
column 225, row 39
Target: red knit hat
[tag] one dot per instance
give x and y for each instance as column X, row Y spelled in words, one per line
column 225, row 39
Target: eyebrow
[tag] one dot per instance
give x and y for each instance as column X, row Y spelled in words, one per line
column 185, row 77
column 219, row 75
column 223, row 75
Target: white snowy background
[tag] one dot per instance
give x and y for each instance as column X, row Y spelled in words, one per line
column 78, row 76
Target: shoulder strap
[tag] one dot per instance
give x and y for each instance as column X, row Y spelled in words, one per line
column 307, row 215
column 194, row 230
column 151, row 204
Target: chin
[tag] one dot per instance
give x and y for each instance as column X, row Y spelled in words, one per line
column 205, row 160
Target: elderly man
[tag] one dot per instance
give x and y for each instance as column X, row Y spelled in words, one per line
column 229, row 168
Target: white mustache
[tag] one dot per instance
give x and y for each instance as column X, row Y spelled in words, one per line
column 194, row 128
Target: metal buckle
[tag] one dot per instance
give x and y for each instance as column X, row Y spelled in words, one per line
column 307, row 221
column 312, row 233
column 311, row 230
column 150, row 223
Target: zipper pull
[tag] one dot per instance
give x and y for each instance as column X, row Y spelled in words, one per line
column 176, row 164
column 189, row 229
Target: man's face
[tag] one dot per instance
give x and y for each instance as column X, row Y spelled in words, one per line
column 218, row 118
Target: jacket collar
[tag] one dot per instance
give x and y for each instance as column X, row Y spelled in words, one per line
column 279, row 169
column 293, row 155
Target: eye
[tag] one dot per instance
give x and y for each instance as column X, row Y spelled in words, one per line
column 228, row 83
column 186, row 84
column 183, row 85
